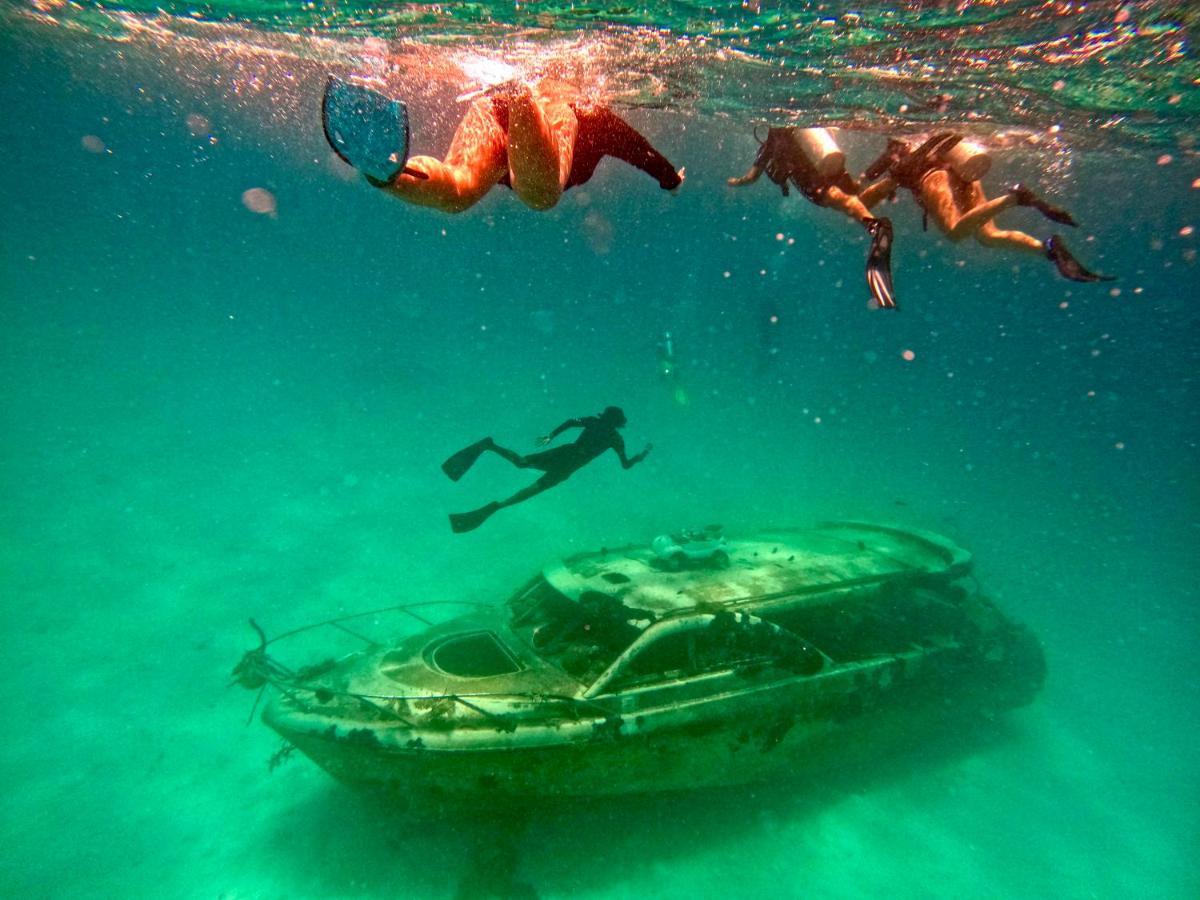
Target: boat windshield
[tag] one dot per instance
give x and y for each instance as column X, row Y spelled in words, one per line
column 582, row 637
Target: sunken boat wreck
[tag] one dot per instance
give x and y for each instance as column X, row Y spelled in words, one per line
column 623, row 671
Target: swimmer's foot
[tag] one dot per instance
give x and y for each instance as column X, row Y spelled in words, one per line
column 1068, row 266
column 1026, row 197
column 879, row 263
column 462, row 522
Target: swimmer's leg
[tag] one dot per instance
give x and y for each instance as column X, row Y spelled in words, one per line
column 541, row 143
column 457, row 465
column 460, row 522
column 1026, row 197
column 521, row 462
column 871, row 195
column 879, row 257
column 525, row 493
column 847, row 204
column 959, row 213
column 1053, row 249
column 555, row 459
column 475, row 163
column 991, row 236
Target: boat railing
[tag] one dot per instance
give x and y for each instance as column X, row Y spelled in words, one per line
column 258, row 670
column 312, row 698
column 408, row 609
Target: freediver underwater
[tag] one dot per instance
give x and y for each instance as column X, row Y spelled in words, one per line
column 599, row 433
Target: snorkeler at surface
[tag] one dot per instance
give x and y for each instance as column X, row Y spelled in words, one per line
column 943, row 176
column 600, row 433
column 538, row 140
column 810, row 159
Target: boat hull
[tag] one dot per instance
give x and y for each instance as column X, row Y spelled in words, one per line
column 793, row 728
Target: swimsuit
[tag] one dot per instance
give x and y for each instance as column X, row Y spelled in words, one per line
column 602, row 133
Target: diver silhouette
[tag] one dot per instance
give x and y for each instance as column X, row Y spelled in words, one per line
column 560, row 463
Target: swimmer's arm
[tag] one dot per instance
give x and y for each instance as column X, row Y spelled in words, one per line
column 426, row 181
column 752, row 175
column 880, row 190
column 775, row 156
column 628, row 462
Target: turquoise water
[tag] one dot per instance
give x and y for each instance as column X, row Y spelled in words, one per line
column 211, row 414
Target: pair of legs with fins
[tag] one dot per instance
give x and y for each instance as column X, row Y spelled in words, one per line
column 457, row 465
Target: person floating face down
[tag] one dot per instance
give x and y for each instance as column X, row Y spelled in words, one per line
column 599, row 433
column 782, row 156
column 538, row 140
column 958, row 205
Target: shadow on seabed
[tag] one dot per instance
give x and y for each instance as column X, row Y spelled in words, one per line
column 377, row 845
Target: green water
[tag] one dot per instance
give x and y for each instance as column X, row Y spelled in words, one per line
column 211, row 414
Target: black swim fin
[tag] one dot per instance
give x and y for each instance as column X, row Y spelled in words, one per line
column 456, row 466
column 1068, row 266
column 1026, row 197
column 469, row 521
column 879, row 263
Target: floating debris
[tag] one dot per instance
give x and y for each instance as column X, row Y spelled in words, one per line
column 260, row 201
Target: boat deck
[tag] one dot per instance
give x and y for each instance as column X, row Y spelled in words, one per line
column 774, row 563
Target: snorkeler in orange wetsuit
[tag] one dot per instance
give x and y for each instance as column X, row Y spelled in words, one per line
column 783, row 160
column 600, row 433
column 961, row 209
column 539, row 141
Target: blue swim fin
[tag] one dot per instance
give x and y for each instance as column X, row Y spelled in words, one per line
column 366, row 129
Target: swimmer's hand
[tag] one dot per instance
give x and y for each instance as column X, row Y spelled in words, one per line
column 751, row 176
column 416, row 169
column 409, row 171
column 682, row 173
column 542, row 440
column 645, row 452
column 414, row 172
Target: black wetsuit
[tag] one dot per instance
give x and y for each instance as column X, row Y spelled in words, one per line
column 560, row 463
column 599, row 434
column 603, row 133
